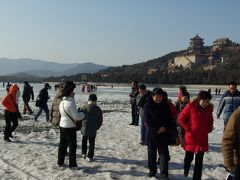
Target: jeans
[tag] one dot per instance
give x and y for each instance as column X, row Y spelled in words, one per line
column 45, row 109
column 143, row 129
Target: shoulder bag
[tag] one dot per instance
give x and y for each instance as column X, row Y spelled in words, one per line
column 77, row 123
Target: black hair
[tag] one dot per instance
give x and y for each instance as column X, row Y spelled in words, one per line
column 135, row 82
column 234, row 83
column 46, row 85
column 157, row 91
column 183, row 88
column 204, row 95
column 92, row 97
column 165, row 94
column 142, row 86
column 68, row 88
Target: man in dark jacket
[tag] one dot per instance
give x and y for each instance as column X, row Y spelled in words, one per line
column 43, row 97
column 133, row 95
column 27, row 95
column 157, row 117
column 229, row 102
column 90, row 125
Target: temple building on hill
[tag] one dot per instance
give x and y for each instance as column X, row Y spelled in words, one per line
column 220, row 43
column 195, row 54
column 196, row 45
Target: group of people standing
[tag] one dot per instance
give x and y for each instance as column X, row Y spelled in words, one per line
column 193, row 121
column 64, row 114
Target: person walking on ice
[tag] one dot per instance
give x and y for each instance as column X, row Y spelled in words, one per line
column 43, row 106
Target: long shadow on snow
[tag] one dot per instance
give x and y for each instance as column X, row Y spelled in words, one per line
column 214, row 147
column 37, row 142
column 114, row 173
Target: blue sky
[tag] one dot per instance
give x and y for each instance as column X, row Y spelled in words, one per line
column 111, row 32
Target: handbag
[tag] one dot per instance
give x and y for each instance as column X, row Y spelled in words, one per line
column 77, row 123
column 173, row 134
column 38, row 102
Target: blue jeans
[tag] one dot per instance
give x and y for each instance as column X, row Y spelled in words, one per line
column 143, row 129
column 45, row 109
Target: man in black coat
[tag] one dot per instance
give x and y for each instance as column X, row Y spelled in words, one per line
column 27, row 94
column 43, row 97
column 157, row 117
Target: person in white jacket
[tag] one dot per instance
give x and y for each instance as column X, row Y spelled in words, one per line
column 67, row 126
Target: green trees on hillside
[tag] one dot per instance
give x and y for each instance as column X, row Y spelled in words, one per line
column 222, row 73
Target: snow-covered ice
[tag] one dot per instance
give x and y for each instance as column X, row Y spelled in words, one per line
column 118, row 154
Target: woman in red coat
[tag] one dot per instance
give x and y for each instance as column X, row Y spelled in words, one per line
column 197, row 121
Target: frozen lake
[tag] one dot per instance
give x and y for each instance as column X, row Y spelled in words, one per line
column 33, row 152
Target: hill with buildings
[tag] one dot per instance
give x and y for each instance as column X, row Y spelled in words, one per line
column 218, row 63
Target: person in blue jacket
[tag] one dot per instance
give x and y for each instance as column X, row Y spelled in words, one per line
column 229, row 102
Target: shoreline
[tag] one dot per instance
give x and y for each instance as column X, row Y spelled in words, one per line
column 165, row 85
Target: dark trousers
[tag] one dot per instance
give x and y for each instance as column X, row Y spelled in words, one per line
column 135, row 116
column 91, row 146
column 163, row 158
column 237, row 172
column 26, row 107
column 143, row 130
column 68, row 139
column 198, row 163
column 11, row 121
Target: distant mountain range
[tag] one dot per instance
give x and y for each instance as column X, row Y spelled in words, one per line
column 41, row 68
